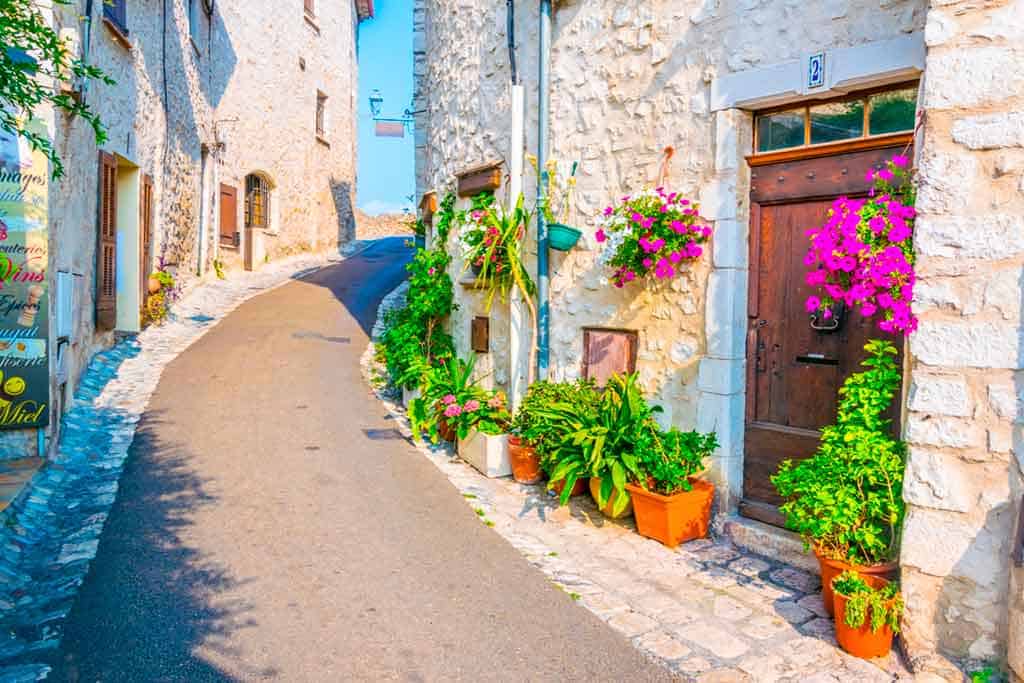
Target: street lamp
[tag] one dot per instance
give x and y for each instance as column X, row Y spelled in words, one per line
column 376, row 100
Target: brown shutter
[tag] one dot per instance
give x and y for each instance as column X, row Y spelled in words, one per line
column 228, row 215
column 146, row 209
column 608, row 352
column 310, row 7
column 106, row 247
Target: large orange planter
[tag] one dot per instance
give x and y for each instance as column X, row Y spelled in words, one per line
column 525, row 461
column 673, row 519
column 577, row 489
column 861, row 642
column 595, row 489
column 830, row 569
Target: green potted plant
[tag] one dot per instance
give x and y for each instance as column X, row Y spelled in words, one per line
column 670, row 503
column 535, row 434
column 450, row 381
column 868, row 611
column 602, row 443
column 846, row 500
column 481, row 425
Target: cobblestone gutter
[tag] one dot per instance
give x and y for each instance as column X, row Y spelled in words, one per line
column 706, row 610
column 51, row 532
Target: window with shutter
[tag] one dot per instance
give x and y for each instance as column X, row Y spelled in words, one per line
column 146, row 210
column 257, row 201
column 106, row 247
column 116, row 12
column 228, row 216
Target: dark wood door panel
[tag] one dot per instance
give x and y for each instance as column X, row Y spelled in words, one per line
column 843, row 174
column 765, row 447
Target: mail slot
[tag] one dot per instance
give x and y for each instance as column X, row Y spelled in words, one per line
column 817, row 359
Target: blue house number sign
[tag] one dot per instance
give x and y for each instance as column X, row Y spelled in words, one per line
column 816, row 70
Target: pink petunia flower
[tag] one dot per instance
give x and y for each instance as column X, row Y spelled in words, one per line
column 600, row 236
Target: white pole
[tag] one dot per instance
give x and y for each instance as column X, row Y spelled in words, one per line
column 519, row 317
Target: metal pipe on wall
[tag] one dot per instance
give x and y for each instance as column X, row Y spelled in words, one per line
column 543, row 106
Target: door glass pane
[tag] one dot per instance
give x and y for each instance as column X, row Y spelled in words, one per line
column 780, row 131
column 893, row 111
column 837, row 121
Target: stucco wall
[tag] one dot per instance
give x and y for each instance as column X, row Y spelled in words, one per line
column 963, row 481
column 628, row 80
column 266, row 118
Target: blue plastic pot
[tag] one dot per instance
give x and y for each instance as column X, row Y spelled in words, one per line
column 562, row 237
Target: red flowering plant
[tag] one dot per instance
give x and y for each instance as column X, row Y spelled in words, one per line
column 863, row 256
column 652, row 232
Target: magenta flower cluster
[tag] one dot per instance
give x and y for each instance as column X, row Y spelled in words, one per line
column 863, row 254
column 653, row 232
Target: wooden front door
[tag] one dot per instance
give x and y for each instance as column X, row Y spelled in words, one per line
column 228, row 215
column 795, row 365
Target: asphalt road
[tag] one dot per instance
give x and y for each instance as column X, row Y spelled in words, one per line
column 271, row 524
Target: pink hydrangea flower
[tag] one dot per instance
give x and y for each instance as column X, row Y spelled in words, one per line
column 454, row 410
column 471, row 405
column 448, row 400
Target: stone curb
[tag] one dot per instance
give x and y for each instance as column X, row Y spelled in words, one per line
column 51, row 531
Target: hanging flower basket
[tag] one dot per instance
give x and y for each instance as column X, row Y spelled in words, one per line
column 562, row 237
column 650, row 233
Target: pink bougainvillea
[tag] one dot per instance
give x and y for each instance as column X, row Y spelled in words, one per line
column 863, row 255
column 653, row 232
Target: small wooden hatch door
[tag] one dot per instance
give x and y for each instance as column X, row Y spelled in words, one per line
column 228, row 215
column 106, row 245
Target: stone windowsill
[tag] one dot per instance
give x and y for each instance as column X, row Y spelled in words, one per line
column 14, row 476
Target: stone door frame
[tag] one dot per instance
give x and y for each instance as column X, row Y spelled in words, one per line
column 725, row 199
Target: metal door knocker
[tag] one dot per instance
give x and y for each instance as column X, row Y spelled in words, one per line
column 821, row 323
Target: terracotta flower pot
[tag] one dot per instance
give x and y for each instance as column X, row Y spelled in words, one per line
column 577, row 489
column 153, row 285
column 830, row 569
column 861, row 642
column 525, row 461
column 595, row 489
column 673, row 519
column 445, row 430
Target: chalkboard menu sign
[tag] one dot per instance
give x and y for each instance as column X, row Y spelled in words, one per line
column 24, row 285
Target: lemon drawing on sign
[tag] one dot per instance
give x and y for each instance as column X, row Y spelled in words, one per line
column 15, row 386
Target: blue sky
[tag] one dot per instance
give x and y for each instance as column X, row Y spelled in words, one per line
column 386, row 175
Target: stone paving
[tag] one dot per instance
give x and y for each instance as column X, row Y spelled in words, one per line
column 706, row 610
column 51, row 531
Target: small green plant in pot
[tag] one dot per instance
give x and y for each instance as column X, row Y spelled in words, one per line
column 868, row 612
column 846, row 500
column 670, row 503
column 450, row 382
column 535, row 433
column 602, row 443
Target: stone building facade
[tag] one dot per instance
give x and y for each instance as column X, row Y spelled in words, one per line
column 199, row 102
column 629, row 79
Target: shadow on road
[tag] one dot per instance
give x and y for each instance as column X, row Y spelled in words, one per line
column 163, row 607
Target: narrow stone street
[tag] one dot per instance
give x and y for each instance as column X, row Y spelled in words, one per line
column 273, row 523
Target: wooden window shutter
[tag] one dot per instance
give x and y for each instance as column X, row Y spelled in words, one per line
column 146, row 210
column 228, row 215
column 608, row 352
column 106, row 246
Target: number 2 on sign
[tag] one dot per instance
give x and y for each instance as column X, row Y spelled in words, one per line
column 816, row 70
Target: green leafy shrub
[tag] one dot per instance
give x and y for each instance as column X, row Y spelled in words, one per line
column 413, row 339
column 445, row 219
column 451, row 394
column 878, row 607
column 674, row 458
column 534, row 422
column 846, row 500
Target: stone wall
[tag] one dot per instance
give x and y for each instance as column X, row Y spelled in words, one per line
column 964, row 405
column 266, row 118
column 628, row 80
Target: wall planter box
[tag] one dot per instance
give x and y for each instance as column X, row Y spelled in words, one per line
column 409, row 395
column 673, row 519
column 488, row 454
column 562, row 237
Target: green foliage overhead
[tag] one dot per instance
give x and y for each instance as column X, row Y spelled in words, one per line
column 847, row 499
column 445, row 219
column 31, row 56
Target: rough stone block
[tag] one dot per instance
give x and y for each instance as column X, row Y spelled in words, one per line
column 940, row 395
column 944, row 431
column 721, row 376
column 725, row 314
column 986, row 236
column 990, row 131
column 967, row 344
column 939, row 481
column 941, row 543
column 970, row 77
column 729, row 245
column 945, row 184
